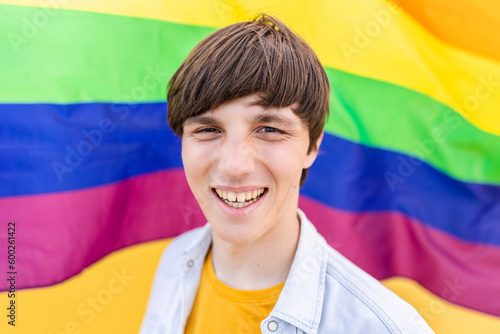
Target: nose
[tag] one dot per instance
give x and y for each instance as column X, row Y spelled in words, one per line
column 237, row 157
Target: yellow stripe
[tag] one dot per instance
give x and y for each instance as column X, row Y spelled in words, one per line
column 366, row 37
column 441, row 315
column 108, row 297
column 111, row 297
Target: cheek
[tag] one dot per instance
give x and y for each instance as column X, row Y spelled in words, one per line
column 195, row 163
column 195, row 152
column 193, row 159
column 285, row 162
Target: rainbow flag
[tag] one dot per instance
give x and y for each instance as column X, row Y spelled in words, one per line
column 407, row 183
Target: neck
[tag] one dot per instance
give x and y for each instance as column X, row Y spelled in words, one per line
column 260, row 264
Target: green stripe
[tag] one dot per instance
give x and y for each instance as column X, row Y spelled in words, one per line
column 76, row 56
column 387, row 116
column 80, row 56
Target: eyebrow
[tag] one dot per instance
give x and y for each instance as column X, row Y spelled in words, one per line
column 260, row 118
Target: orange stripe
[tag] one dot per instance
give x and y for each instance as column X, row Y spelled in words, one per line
column 469, row 24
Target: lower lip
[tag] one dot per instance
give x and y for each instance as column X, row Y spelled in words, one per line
column 238, row 211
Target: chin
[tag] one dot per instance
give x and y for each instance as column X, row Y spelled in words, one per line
column 234, row 234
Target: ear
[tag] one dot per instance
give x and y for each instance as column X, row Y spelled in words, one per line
column 311, row 156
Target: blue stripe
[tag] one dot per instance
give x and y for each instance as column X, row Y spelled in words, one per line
column 128, row 140
column 50, row 147
column 358, row 178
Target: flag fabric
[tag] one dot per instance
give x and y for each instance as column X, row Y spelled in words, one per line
column 406, row 185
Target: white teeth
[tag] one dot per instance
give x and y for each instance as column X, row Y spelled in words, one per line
column 239, row 200
column 238, row 204
column 241, row 197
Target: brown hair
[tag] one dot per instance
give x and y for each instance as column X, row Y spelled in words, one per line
column 261, row 57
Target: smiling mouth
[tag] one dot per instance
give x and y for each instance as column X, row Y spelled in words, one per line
column 239, row 200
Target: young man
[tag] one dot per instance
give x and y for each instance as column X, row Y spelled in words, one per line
column 249, row 104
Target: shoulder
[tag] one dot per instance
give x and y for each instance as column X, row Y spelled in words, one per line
column 365, row 301
column 165, row 298
column 353, row 301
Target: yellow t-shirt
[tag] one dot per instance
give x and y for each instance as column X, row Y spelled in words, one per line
column 221, row 309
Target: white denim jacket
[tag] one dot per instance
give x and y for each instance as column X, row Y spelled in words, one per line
column 324, row 292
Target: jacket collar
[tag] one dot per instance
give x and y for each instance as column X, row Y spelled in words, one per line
column 301, row 300
column 196, row 250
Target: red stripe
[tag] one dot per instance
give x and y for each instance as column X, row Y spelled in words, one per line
column 59, row 234
column 392, row 244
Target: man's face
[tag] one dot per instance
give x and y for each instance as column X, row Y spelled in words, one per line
column 243, row 164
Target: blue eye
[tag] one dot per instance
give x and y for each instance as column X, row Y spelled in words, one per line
column 269, row 129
